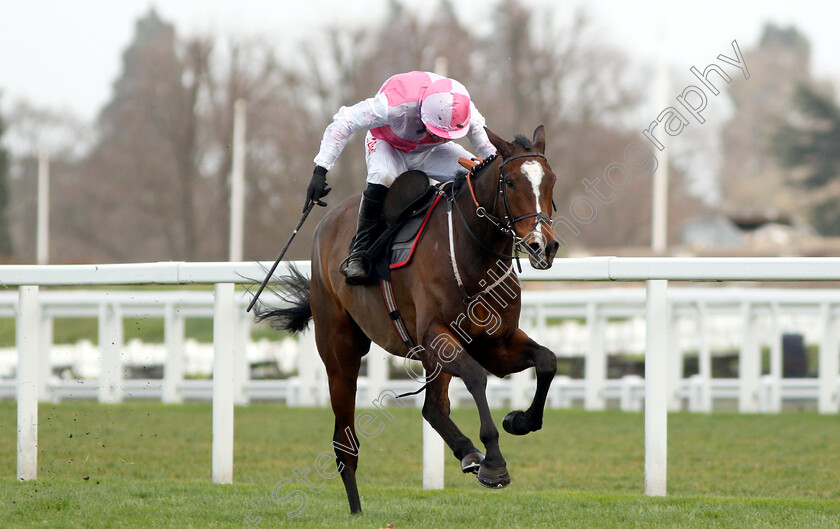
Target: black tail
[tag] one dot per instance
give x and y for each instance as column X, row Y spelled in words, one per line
column 293, row 289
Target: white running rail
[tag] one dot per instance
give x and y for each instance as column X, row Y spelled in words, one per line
column 656, row 272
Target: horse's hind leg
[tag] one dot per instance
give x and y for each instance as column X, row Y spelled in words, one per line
column 436, row 412
column 341, row 345
column 345, row 441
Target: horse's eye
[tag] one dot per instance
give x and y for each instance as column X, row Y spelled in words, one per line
column 509, row 182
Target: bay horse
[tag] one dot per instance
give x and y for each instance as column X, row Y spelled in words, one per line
column 446, row 300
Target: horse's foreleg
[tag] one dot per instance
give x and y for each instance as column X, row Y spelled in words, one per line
column 436, row 412
column 493, row 472
column 545, row 364
column 444, row 353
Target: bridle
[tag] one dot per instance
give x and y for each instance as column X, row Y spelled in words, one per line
column 505, row 226
column 539, row 214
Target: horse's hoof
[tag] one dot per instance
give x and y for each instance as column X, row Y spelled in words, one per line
column 493, row 478
column 514, row 423
column 471, row 462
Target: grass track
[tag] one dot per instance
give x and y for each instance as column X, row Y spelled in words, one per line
column 148, row 465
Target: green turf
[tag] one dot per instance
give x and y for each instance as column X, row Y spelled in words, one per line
column 148, row 465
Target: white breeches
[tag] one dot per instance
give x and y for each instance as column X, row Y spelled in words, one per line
column 385, row 163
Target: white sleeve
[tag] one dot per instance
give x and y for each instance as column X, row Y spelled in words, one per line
column 477, row 135
column 368, row 114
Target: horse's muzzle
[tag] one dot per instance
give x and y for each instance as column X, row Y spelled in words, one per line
column 540, row 255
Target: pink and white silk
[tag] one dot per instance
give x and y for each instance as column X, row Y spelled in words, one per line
column 393, row 115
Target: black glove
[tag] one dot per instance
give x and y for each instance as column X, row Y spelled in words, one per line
column 317, row 188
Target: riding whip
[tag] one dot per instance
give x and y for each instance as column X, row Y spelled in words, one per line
column 283, row 252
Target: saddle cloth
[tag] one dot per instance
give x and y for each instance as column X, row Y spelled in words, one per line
column 409, row 235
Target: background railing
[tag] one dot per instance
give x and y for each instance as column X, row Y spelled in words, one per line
column 597, row 331
column 663, row 386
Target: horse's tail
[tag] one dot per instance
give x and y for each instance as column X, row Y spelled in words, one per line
column 294, row 290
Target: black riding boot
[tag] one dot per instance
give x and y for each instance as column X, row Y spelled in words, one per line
column 370, row 212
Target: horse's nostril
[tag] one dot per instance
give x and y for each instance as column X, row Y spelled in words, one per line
column 535, row 247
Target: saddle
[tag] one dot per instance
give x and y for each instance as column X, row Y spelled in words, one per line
column 408, row 205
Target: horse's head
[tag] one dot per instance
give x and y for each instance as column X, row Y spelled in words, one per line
column 526, row 184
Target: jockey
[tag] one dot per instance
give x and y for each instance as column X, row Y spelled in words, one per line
column 410, row 122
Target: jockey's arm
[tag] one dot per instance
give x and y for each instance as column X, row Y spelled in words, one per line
column 477, row 135
column 365, row 115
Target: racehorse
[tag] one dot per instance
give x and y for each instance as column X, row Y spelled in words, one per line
column 459, row 299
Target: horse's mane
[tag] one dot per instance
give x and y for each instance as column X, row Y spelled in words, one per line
column 458, row 182
column 461, row 176
column 523, row 142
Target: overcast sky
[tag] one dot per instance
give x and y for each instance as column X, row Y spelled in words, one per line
column 64, row 54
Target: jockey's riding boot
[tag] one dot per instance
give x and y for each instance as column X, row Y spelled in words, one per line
column 370, row 212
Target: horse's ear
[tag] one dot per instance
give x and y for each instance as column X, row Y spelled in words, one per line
column 539, row 140
column 505, row 149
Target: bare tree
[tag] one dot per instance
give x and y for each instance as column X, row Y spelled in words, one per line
column 750, row 179
column 808, row 142
column 155, row 182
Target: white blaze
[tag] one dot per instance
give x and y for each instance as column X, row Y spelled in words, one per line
column 534, row 172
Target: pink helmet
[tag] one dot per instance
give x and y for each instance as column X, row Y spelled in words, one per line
column 445, row 109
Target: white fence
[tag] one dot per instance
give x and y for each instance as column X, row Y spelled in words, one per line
column 658, row 397
column 590, row 324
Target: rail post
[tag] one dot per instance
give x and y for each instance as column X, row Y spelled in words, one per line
column 596, row 361
column 27, row 383
column 110, row 349
column 656, row 388
column 828, row 401
column 704, row 362
column 173, row 369
column 223, row 366
column 774, row 401
column 749, row 362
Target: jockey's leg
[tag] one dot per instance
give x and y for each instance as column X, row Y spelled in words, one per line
column 384, row 163
column 370, row 212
